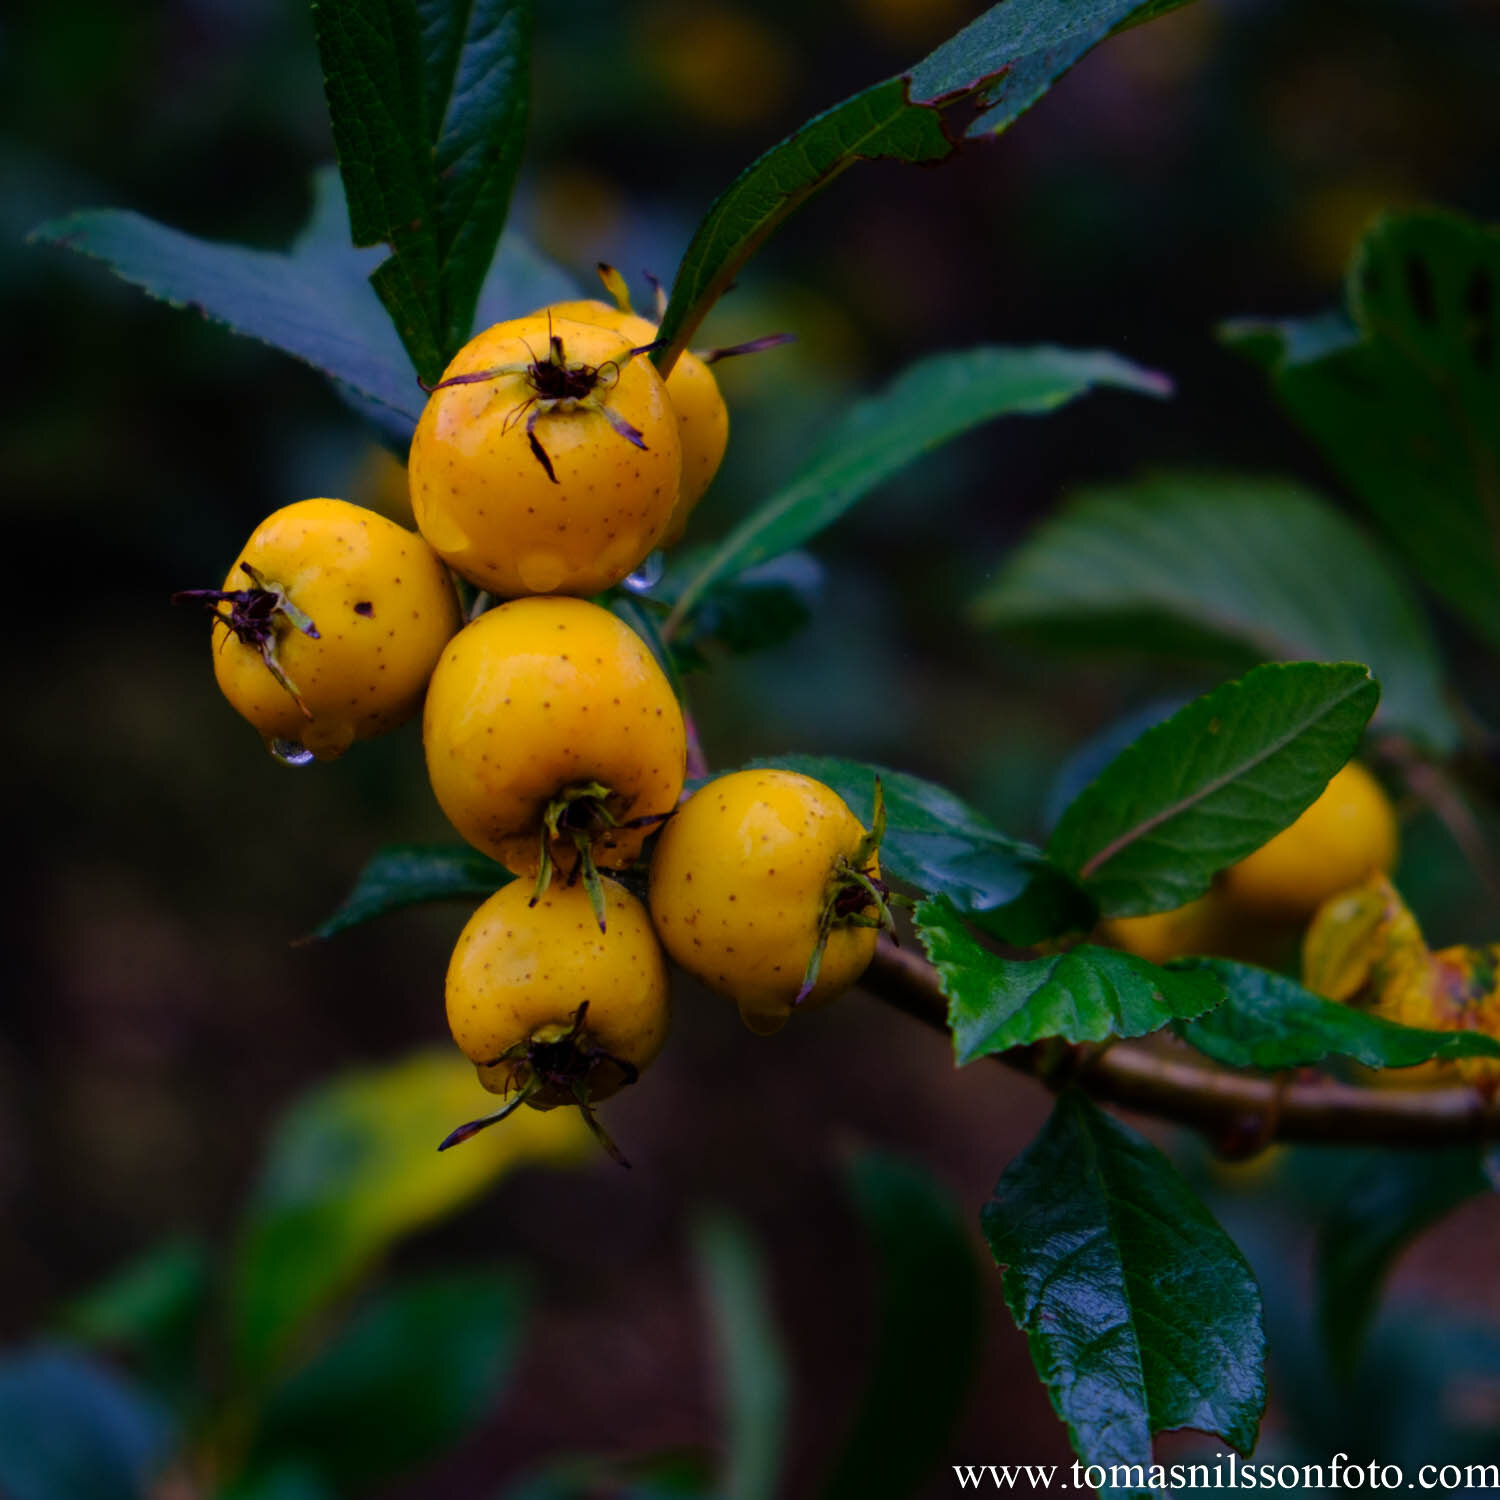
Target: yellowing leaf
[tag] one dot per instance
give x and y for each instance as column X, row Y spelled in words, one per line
column 353, row 1167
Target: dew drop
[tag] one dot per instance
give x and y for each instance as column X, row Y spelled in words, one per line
column 291, row 753
column 649, row 574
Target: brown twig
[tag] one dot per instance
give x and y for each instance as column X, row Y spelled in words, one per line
column 1214, row 1100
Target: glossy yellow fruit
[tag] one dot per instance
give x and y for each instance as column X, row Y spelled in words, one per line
column 557, row 473
column 521, row 973
column 1211, row 926
column 382, row 606
column 1347, row 834
column 540, row 699
column 740, row 881
column 1200, row 928
column 702, row 417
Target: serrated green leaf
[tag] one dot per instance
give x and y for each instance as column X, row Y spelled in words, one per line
column 1009, row 57
column 754, row 1383
column 351, row 1169
column 1270, row 1021
column 1033, row 46
column 1141, row 1315
column 927, row 1344
column 1234, row 558
column 1087, row 994
column 314, row 303
column 428, row 103
column 371, row 51
column 1211, row 784
column 72, row 1429
column 405, row 874
column 1379, row 1206
column 400, row 1383
column 930, row 403
column 1408, row 411
column 477, row 67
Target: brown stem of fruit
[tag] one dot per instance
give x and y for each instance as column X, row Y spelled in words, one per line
column 1214, row 1100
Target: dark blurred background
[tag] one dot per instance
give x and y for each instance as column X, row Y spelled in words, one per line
column 1218, row 162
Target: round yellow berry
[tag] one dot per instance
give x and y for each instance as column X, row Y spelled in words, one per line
column 753, row 872
column 333, row 618
column 553, row 703
column 547, row 461
column 1346, row 835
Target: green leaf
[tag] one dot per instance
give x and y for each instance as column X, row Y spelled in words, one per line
column 1141, row 1314
column 1270, row 1021
column 1087, row 994
column 933, row 840
column 752, row 1366
column 930, row 403
column 1087, row 760
column 152, row 1310
column 1408, row 409
column 760, row 608
column 313, row 303
column 1390, row 1198
column 428, row 103
column 404, row 874
column 71, row 1429
column 352, row 1168
column 1009, row 57
column 1211, row 784
column 401, row 1383
column 927, row 1341
column 477, row 67
column 1232, row 558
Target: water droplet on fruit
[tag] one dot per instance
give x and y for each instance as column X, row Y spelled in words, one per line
column 648, row 574
column 541, row 571
column 291, row 753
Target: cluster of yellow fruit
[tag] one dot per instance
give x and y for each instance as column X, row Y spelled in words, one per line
column 1325, row 882
column 1256, row 909
column 550, row 460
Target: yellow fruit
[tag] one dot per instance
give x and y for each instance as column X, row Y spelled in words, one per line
column 1347, row 834
column 520, row 972
column 1198, row 929
column 551, row 1010
column 547, row 461
column 334, row 619
column 754, row 872
column 1211, row 926
column 702, row 417
column 553, row 704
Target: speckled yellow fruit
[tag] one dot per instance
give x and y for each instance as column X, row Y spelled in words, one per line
column 519, row 973
column 539, row 695
column 1199, row 928
column 739, row 879
column 384, row 607
column 1347, row 834
column 702, row 417
column 483, row 498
